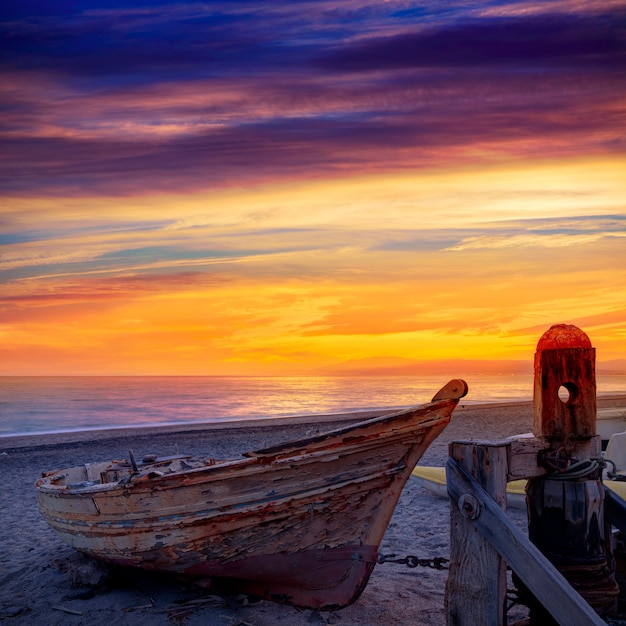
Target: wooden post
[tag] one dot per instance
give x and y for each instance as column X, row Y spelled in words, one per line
column 549, row 586
column 476, row 587
column 565, row 497
column 566, row 511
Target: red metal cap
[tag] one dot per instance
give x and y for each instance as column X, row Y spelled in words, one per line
column 563, row 336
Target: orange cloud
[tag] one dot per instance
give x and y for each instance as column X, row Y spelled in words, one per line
column 298, row 278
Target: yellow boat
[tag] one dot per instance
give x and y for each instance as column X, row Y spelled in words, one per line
column 434, row 479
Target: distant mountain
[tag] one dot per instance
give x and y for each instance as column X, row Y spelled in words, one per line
column 396, row 366
column 614, row 366
column 392, row 366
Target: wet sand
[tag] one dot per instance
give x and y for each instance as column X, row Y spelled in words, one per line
column 42, row 581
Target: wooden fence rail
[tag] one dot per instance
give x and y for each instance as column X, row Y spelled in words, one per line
column 497, row 532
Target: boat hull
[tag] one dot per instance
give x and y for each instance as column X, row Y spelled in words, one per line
column 298, row 523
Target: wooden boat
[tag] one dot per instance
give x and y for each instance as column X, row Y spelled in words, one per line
column 300, row 522
column 610, row 421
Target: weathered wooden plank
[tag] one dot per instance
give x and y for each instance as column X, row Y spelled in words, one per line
column 522, row 458
column 476, row 587
column 522, row 453
column 565, row 605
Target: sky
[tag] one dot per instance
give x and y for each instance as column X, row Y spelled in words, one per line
column 312, row 187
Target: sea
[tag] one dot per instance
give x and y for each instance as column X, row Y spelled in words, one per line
column 36, row 405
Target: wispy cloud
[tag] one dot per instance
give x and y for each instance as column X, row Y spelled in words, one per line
column 525, row 241
column 175, row 97
column 308, row 182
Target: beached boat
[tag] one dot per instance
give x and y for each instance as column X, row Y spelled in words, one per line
column 610, row 421
column 300, row 522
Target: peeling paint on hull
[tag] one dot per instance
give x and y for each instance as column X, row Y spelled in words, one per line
column 299, row 523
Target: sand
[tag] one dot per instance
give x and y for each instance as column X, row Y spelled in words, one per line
column 44, row 582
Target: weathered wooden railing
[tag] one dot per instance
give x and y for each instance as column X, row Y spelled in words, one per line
column 568, row 519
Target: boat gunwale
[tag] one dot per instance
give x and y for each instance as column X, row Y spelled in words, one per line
column 429, row 407
column 270, row 457
column 213, row 515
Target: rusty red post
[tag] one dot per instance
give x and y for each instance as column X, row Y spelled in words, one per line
column 565, row 386
column 566, row 507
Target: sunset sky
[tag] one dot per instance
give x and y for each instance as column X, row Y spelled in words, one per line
column 264, row 187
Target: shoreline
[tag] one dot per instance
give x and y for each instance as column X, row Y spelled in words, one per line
column 54, row 438
column 44, row 581
column 38, row 572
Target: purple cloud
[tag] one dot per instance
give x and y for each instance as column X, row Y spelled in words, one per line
column 133, row 98
column 538, row 41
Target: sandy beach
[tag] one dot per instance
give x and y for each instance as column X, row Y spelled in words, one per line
column 42, row 581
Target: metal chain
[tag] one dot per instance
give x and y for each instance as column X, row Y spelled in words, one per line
column 438, row 562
